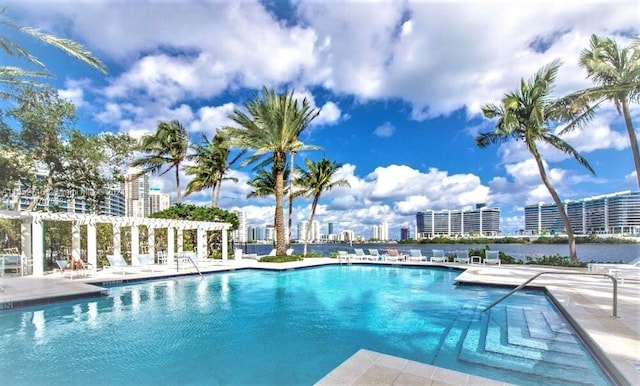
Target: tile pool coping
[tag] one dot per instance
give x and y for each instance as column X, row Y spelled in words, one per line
column 586, row 303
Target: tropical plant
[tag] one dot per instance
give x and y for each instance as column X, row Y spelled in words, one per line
column 616, row 72
column 211, row 166
column 15, row 75
column 526, row 115
column 167, row 146
column 316, row 179
column 271, row 128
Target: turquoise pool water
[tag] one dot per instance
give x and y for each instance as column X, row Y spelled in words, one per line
column 289, row 328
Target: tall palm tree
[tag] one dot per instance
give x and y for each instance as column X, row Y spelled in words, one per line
column 167, row 146
column 271, row 128
column 316, row 179
column 12, row 75
column 211, row 166
column 616, row 73
column 264, row 184
column 525, row 115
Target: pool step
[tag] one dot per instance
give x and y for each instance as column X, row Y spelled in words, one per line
column 530, row 345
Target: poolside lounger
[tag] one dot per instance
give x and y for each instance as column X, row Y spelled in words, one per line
column 374, row 254
column 10, row 262
column 438, row 256
column 624, row 273
column 462, row 257
column 358, row 254
column 492, row 257
column 289, row 252
column 117, row 263
column 272, row 253
column 394, row 255
column 342, row 256
column 604, row 267
column 147, row 264
column 416, row 255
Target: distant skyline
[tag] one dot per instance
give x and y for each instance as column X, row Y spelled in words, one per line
column 400, row 85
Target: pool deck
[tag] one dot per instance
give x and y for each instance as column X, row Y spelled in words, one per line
column 586, row 299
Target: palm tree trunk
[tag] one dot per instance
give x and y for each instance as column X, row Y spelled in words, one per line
column 633, row 140
column 279, row 216
column 291, row 197
column 573, row 254
column 178, row 184
column 313, row 213
column 218, row 188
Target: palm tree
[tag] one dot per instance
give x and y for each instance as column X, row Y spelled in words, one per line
column 11, row 74
column 211, row 166
column 318, row 178
column 168, row 145
column 525, row 115
column 271, row 129
column 616, row 72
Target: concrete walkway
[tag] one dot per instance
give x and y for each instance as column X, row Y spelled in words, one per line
column 586, row 299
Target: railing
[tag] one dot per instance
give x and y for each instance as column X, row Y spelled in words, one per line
column 613, row 280
column 192, row 262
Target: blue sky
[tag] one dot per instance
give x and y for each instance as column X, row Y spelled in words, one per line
column 399, row 84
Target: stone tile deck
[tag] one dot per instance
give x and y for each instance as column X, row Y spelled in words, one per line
column 586, row 299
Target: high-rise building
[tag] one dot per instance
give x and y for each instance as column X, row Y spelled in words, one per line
column 158, row 201
column 330, row 228
column 375, row 232
column 404, row 233
column 136, row 193
column 615, row 213
column 302, row 230
column 240, row 234
column 384, row 231
column 314, row 231
column 481, row 220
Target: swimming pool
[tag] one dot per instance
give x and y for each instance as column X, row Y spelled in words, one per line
column 289, row 328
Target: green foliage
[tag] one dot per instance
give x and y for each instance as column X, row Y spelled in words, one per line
column 280, row 259
column 198, row 213
column 553, row 260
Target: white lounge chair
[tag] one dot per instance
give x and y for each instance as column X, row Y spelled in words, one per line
column 416, row 255
column 438, row 256
column 492, row 257
column 624, row 273
column 462, row 257
column 146, row 263
column 289, row 252
column 358, row 254
column 272, row 253
column 342, row 256
column 374, row 254
column 117, row 263
column 604, row 267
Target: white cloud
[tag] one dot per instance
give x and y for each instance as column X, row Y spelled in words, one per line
column 74, row 92
column 384, row 130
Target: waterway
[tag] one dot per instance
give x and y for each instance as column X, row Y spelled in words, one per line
column 586, row 252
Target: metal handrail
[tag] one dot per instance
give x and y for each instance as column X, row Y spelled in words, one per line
column 192, row 262
column 613, row 280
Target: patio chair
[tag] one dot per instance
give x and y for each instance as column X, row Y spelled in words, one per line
column 462, row 257
column 342, row 256
column 624, row 273
column 358, row 254
column 438, row 256
column 374, row 255
column 272, row 253
column 147, row 264
column 604, row 267
column 416, row 255
column 117, row 263
column 289, row 252
column 394, row 255
column 492, row 257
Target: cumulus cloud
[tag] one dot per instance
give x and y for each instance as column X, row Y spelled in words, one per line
column 384, row 130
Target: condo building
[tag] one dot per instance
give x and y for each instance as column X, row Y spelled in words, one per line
column 615, row 213
column 240, row 235
column 158, row 201
column 481, row 221
column 136, row 193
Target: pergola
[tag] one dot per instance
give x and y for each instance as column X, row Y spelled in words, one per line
column 32, row 235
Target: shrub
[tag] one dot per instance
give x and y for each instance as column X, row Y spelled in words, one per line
column 280, row 259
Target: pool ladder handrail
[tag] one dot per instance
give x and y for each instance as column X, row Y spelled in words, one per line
column 192, row 262
column 613, row 280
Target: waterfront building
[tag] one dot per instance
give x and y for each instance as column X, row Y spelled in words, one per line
column 375, row 232
column 314, row 232
column 615, row 213
column 404, row 233
column 240, row 234
column 158, row 201
column 136, row 193
column 481, row 220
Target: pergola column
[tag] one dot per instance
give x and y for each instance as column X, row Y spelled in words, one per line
column 170, row 245
column 25, row 241
column 92, row 245
column 201, row 238
column 224, row 244
column 180, row 240
column 151, row 241
column 135, row 244
column 75, row 241
column 116, row 239
column 37, row 246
